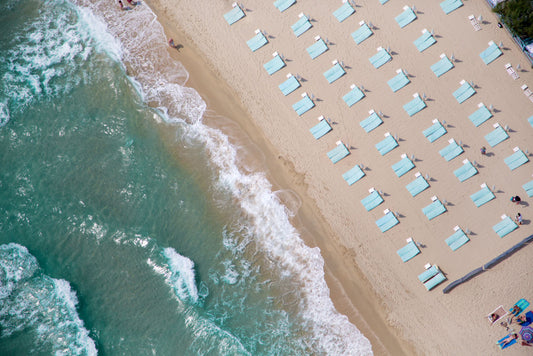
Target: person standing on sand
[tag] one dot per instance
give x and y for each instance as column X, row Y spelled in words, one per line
column 516, row 199
column 171, row 43
column 519, row 218
column 121, row 4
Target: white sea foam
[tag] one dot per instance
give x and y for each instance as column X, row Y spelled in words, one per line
column 161, row 81
column 34, row 300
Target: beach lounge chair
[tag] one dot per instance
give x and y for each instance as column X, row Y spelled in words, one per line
column 450, row 5
column 258, row 41
column 504, row 227
column 317, row 48
column 458, row 239
column 435, row 131
column 353, row 175
column 442, row 66
column 406, row 17
column 530, row 120
column 403, row 166
column 425, row 41
column 387, row 144
column 415, row 105
column 522, row 304
column 304, row 105
column 343, row 12
column 435, row 281
column 434, row 209
column 371, row 122
column 362, row 33
column 451, row 151
column 528, row 187
column 464, row 92
column 496, row 136
column 383, row 2
column 499, row 312
column 480, row 115
column 491, row 53
column 474, row 23
column 517, row 159
column 339, row 152
column 290, row 85
column 274, row 64
column 430, row 272
column 399, row 81
column 372, row 200
column 283, row 5
column 408, row 251
column 334, row 72
column 482, row 196
column 418, row 185
column 353, row 96
column 467, row 170
column 503, row 345
column 380, row 58
column 321, row 128
column 302, row 25
column 234, row 14
column 527, row 92
column 510, row 70
column 388, row 221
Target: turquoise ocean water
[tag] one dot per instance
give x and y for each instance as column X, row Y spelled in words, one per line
column 127, row 226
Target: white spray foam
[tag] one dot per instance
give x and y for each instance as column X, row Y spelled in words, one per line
column 332, row 332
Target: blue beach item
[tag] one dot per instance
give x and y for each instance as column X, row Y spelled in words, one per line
column 435, row 281
column 338, row 153
column 353, row 96
column 372, row 200
column 380, row 58
column 464, row 92
column 482, row 196
column 406, row 17
column 320, row 129
column 234, row 14
column 497, row 136
column 428, row 274
column 504, row 227
column 258, row 41
column 434, row 209
column 371, row 122
column 317, row 48
column 528, row 187
column 343, row 12
column 457, row 240
column 491, row 53
column 425, row 41
column 304, row 105
column 290, row 85
column 451, row 151
column 435, row 131
column 283, row 5
column 480, row 115
column 450, row 5
column 387, row 222
column 403, row 166
column 353, row 175
column 442, row 66
column 274, row 64
column 362, row 33
column 466, row 171
column 301, row 26
column 415, row 105
column 408, row 251
column 517, row 159
column 387, row 144
column 334, row 73
column 417, row 186
column 399, row 81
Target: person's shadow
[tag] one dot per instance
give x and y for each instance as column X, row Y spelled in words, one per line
column 178, row 47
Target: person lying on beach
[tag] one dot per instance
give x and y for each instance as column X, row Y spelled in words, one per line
column 516, row 310
column 508, row 339
column 494, row 317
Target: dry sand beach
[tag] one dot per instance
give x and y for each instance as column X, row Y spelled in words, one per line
column 379, row 293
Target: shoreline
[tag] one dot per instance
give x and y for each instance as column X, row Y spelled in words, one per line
column 441, row 321
column 281, row 173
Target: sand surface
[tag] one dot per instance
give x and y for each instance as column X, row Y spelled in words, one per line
column 380, row 294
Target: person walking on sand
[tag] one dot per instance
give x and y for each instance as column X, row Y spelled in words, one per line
column 518, row 218
column 483, row 150
column 171, row 43
column 121, row 4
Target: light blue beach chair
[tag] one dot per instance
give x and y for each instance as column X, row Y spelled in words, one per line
column 320, row 129
column 528, row 187
column 353, row 175
column 334, row 72
column 388, row 221
column 386, row 145
column 418, row 185
column 371, row 122
column 491, row 53
column 442, row 66
column 464, row 92
column 467, row 170
column 317, row 48
column 234, row 14
column 434, row 209
column 458, row 239
column 435, row 131
column 380, row 58
column 399, row 81
column 403, row 166
column 372, row 200
column 517, row 159
column 480, row 115
column 428, row 273
column 339, row 152
column 302, row 25
column 343, row 12
column 425, row 41
column 415, row 105
column 496, row 136
column 274, row 64
column 450, row 5
column 290, row 85
column 505, row 227
column 406, row 17
column 408, row 251
column 522, row 304
column 482, row 196
column 530, row 120
column 304, row 105
column 362, row 33
column 451, row 151
column 353, row 96
column 435, row 281
column 258, row 41
column 283, row 5
column 383, row 2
